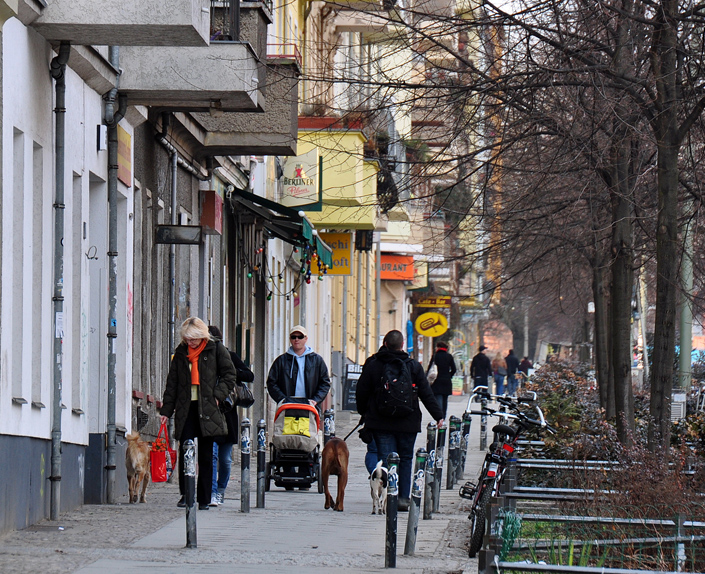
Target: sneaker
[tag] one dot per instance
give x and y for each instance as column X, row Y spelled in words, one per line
column 182, row 502
column 214, row 500
column 221, row 498
column 403, row 505
column 203, row 507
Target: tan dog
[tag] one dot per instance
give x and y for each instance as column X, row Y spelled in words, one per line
column 137, row 465
column 334, row 460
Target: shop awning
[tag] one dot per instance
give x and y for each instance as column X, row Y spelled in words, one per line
column 284, row 223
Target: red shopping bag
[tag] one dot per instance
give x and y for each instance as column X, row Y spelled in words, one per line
column 161, row 457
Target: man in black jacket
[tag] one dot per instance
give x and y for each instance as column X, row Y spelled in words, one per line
column 480, row 368
column 443, row 385
column 394, row 434
column 299, row 373
column 512, row 367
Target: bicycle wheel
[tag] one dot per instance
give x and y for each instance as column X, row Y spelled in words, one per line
column 477, row 520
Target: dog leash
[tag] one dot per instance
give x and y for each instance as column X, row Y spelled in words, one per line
column 352, row 431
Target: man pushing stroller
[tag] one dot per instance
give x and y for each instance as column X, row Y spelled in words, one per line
column 300, row 373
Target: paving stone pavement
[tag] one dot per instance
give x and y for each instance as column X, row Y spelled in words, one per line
column 292, row 534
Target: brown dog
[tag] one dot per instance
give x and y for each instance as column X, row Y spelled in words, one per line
column 334, row 460
column 137, row 465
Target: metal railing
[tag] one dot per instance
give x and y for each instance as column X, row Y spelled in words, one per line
column 285, row 51
column 225, row 20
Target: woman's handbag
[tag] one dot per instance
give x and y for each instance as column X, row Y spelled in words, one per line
column 162, row 459
column 240, row 396
column 432, row 373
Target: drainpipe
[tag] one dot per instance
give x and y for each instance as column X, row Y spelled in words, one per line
column 58, row 72
column 112, row 118
column 378, row 289
column 172, row 252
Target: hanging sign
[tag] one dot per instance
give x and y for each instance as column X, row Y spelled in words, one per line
column 431, row 324
column 300, row 180
column 341, row 244
column 433, row 302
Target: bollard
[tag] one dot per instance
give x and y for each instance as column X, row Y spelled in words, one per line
column 483, row 426
column 464, row 442
column 328, row 425
column 453, row 451
column 245, row 448
column 438, row 470
column 261, row 461
column 412, row 524
column 189, row 454
column 390, row 544
column 430, row 464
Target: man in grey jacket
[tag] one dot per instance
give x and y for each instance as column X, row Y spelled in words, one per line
column 299, row 373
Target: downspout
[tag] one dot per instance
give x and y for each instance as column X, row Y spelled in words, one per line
column 112, row 118
column 58, row 72
column 378, row 290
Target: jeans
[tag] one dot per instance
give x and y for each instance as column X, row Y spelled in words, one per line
column 403, row 444
column 443, row 403
column 511, row 385
column 222, row 461
column 192, row 430
column 499, row 381
column 371, row 457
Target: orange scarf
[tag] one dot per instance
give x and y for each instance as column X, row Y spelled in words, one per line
column 192, row 355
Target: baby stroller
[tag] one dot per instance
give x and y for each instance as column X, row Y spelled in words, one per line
column 294, row 453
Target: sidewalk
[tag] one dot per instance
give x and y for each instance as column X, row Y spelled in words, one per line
column 293, row 534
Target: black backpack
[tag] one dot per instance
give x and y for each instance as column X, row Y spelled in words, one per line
column 395, row 393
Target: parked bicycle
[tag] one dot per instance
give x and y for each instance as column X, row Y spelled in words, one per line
column 497, row 457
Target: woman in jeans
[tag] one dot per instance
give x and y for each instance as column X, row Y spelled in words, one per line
column 223, row 446
column 499, row 370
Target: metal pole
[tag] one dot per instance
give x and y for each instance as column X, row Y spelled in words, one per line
column 58, row 72
column 245, row 448
column 328, row 425
column 261, row 462
column 453, row 451
column 686, row 316
column 430, row 464
column 483, row 425
column 189, row 454
column 438, row 471
column 359, row 307
column 412, row 525
column 390, row 546
column 378, row 288
column 464, row 442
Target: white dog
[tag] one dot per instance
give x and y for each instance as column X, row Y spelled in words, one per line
column 378, row 486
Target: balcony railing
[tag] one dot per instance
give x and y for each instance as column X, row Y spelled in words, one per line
column 284, row 51
column 225, row 20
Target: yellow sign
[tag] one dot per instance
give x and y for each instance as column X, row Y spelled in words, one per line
column 439, row 302
column 420, row 275
column 124, row 157
column 431, row 324
column 341, row 244
column 467, row 302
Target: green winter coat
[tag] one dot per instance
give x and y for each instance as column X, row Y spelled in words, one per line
column 217, row 378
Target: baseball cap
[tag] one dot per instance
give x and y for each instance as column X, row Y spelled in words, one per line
column 482, row 348
column 298, row 329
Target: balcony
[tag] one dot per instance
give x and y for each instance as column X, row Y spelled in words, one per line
column 270, row 133
column 359, row 22
column 222, row 77
column 128, row 23
column 363, row 5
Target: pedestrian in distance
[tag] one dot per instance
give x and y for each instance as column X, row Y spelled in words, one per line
column 499, row 370
column 524, row 368
column 442, row 387
column 481, row 368
column 512, row 367
column 300, row 373
column 388, row 393
column 223, row 446
column 201, row 375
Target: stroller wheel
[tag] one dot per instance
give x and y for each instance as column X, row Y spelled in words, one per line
column 268, row 477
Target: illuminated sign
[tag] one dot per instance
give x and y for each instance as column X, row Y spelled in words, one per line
column 300, row 180
column 397, row 267
column 433, row 302
column 341, row 244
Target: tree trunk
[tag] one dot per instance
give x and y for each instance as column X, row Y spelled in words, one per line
column 602, row 344
column 665, row 124
column 621, row 290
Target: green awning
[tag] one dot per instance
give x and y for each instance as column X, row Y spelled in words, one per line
column 325, row 253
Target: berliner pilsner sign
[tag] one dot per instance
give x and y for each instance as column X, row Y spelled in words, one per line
column 300, row 180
